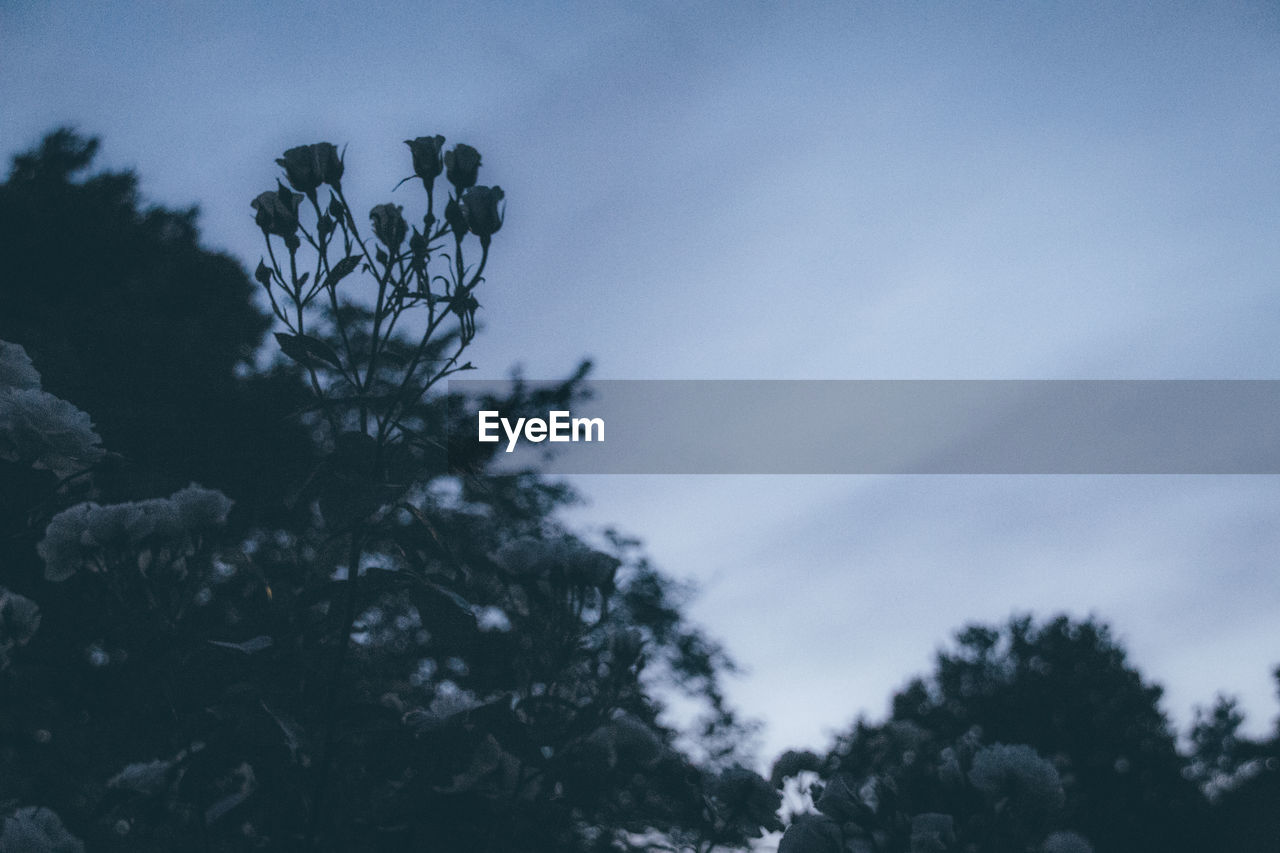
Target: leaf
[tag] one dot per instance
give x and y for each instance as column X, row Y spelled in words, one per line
column 250, row 646
column 443, row 611
column 341, row 270
column 244, row 775
column 488, row 758
column 321, row 350
column 423, row 520
column 307, row 350
column 292, row 347
column 289, row 729
column 458, row 601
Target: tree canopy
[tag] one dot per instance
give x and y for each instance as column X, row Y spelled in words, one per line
column 1055, row 710
column 126, row 315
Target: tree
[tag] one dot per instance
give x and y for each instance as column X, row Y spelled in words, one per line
column 1242, row 777
column 127, row 316
column 1064, row 689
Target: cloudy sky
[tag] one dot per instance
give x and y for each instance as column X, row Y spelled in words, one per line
column 798, row 191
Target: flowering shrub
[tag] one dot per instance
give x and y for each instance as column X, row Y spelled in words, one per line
column 45, row 433
column 964, row 796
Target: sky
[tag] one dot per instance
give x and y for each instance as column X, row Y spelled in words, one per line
column 798, row 191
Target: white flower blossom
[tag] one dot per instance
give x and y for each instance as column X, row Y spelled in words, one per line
column 61, row 549
column 142, row 777
column 450, row 699
column 1018, row 773
column 44, row 431
column 19, row 620
column 16, row 370
column 19, row 617
column 81, row 535
column 200, row 508
column 37, row 830
column 1066, row 842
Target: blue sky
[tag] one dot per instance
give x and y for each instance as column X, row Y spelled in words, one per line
column 769, row 191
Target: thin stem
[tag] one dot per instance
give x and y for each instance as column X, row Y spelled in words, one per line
column 335, row 688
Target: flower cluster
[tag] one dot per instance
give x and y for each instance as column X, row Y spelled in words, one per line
column 89, row 536
column 393, row 248
column 37, row 428
column 16, row 370
column 474, row 209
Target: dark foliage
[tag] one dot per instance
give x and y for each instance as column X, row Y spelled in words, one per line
column 126, row 315
column 1065, row 689
column 399, row 659
column 1242, row 777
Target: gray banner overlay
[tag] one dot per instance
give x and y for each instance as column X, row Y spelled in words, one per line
column 888, row 427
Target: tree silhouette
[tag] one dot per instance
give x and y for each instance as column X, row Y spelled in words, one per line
column 126, row 315
column 1242, row 776
column 1065, row 689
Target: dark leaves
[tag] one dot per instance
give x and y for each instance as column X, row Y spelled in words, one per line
column 308, row 351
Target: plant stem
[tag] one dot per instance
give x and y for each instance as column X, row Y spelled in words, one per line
column 335, row 688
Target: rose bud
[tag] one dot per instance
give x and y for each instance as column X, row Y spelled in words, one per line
column 480, row 206
column 300, row 168
column 389, row 225
column 427, row 163
column 309, row 166
column 456, row 218
column 461, row 165
column 418, row 244
column 329, row 163
column 277, row 212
